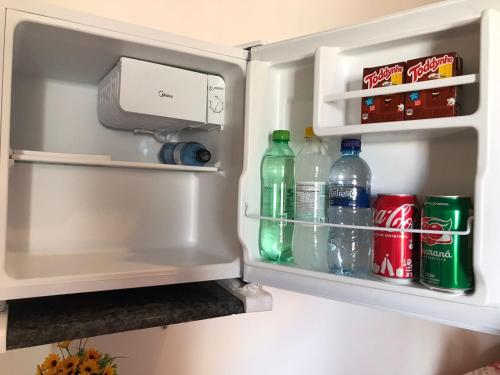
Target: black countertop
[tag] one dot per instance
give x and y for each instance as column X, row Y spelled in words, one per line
column 44, row 320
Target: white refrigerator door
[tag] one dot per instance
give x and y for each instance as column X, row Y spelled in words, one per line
column 295, row 83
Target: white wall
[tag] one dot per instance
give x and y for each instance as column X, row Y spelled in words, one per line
column 303, row 335
column 234, row 22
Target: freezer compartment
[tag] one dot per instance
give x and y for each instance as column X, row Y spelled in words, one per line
column 74, row 224
column 138, row 94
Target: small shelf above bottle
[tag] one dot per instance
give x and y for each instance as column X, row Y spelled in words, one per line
column 403, row 130
column 388, row 90
column 26, row 156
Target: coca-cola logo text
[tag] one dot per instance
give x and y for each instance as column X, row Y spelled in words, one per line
column 401, row 217
column 430, row 65
column 383, row 74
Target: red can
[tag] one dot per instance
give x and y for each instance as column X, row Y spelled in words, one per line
column 394, row 253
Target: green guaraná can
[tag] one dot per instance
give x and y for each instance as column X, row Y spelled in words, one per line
column 446, row 259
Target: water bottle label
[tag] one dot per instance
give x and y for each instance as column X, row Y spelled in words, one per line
column 349, row 196
column 278, row 201
column 310, row 201
column 176, row 155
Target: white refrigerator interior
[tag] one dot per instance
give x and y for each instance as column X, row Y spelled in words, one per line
column 84, row 207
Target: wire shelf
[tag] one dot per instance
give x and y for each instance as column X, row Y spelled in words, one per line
column 465, row 232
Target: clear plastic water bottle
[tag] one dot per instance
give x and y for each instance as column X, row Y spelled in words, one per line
column 184, row 153
column 311, row 173
column 349, row 250
column 277, row 173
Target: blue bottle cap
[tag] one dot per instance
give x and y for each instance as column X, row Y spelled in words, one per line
column 203, row 155
column 350, row 144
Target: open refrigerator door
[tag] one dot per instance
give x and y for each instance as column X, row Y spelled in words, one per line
column 319, row 79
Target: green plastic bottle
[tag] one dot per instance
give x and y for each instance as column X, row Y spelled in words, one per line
column 277, row 176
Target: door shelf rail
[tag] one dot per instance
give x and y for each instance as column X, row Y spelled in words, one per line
column 406, row 87
column 465, row 232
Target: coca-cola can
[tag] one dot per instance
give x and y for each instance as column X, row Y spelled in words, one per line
column 395, row 253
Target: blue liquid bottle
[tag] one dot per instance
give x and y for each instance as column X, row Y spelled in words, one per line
column 184, row 153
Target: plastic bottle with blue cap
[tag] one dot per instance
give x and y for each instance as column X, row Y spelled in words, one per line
column 349, row 250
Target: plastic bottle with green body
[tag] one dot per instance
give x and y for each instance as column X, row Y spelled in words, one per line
column 277, row 175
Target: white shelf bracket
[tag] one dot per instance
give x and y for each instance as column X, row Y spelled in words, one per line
column 253, row 296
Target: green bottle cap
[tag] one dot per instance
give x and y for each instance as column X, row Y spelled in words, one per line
column 281, row 135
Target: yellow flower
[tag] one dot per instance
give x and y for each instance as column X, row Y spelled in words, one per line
column 64, row 344
column 68, row 365
column 93, row 354
column 39, row 370
column 109, row 371
column 89, row 367
column 51, row 362
column 70, row 371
